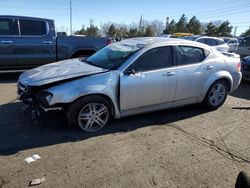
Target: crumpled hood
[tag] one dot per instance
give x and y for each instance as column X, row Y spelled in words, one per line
column 58, row 71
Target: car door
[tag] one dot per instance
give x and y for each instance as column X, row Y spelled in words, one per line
column 193, row 70
column 244, row 47
column 36, row 43
column 149, row 81
column 8, row 32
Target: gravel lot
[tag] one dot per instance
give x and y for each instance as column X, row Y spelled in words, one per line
column 184, row 147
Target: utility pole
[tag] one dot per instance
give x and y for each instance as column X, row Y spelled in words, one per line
column 140, row 23
column 70, row 4
column 235, row 30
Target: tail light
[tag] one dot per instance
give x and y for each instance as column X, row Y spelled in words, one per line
column 239, row 66
column 109, row 41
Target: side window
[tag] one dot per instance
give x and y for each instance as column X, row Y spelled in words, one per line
column 211, row 42
column 219, row 42
column 202, row 40
column 8, row 27
column 185, row 55
column 245, row 42
column 153, row 59
column 32, row 27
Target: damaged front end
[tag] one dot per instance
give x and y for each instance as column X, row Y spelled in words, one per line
column 36, row 99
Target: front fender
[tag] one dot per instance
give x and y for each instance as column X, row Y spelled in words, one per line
column 212, row 78
column 105, row 84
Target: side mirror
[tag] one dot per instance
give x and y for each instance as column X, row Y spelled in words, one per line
column 130, row 71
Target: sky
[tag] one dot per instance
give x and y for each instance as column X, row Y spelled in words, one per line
column 237, row 12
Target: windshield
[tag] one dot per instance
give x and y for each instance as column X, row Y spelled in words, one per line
column 112, row 56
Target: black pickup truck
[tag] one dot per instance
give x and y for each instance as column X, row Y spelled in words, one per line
column 27, row 42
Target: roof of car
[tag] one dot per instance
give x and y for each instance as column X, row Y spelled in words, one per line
column 23, row 17
column 147, row 41
column 211, row 37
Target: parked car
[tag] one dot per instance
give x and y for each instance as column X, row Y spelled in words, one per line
column 27, row 42
column 217, row 43
column 130, row 77
column 192, row 38
column 233, row 43
column 244, row 47
column 246, row 68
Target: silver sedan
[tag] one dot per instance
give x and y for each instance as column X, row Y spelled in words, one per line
column 130, row 77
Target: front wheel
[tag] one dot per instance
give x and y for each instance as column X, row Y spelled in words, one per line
column 216, row 94
column 90, row 113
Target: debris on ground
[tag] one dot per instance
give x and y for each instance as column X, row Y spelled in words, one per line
column 32, row 158
column 37, row 181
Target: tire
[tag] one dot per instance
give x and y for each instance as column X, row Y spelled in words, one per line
column 216, row 95
column 243, row 181
column 90, row 113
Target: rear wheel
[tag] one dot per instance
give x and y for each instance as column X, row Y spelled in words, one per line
column 216, row 94
column 90, row 113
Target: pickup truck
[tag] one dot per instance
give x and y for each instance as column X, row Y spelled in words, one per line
column 27, row 42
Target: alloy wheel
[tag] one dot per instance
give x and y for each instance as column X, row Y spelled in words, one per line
column 217, row 94
column 93, row 116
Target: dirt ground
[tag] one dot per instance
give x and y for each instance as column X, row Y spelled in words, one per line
column 184, row 147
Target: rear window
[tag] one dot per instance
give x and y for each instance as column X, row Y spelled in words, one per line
column 185, row 55
column 8, row 27
column 211, row 42
column 245, row 42
column 32, row 27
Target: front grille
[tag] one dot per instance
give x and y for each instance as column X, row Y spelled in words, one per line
column 246, row 67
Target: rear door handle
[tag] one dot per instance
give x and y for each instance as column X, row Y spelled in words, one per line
column 167, row 74
column 208, row 67
column 47, row 42
column 7, row 41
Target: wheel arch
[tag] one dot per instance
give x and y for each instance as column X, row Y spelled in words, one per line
column 222, row 75
column 106, row 97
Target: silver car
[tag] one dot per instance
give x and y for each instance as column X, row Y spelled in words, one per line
column 130, row 77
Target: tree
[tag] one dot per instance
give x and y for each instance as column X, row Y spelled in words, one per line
column 247, row 32
column 112, row 31
column 122, row 32
column 81, row 32
column 133, row 32
column 211, row 29
column 149, row 32
column 194, row 26
column 225, row 29
column 170, row 28
column 181, row 25
column 92, row 31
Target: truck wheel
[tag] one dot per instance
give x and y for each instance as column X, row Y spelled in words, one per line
column 90, row 113
column 216, row 94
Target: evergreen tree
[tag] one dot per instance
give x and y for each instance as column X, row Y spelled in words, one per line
column 194, row 26
column 149, row 32
column 181, row 25
column 92, row 31
column 133, row 33
column 224, row 29
column 170, row 28
column 211, row 29
column 112, row 31
column 246, row 33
